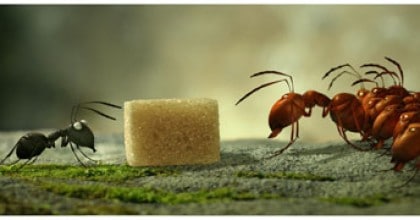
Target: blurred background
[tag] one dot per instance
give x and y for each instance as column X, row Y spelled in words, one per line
column 53, row 57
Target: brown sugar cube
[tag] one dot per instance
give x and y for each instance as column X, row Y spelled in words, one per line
column 171, row 132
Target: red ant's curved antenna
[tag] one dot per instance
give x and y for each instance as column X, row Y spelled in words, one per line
column 291, row 89
column 354, row 73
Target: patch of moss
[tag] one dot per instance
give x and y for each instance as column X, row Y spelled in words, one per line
column 282, row 175
column 150, row 195
column 101, row 209
column 11, row 206
column 105, row 173
column 362, row 202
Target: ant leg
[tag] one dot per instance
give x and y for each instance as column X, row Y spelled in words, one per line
column 15, row 162
column 398, row 166
column 292, row 140
column 358, row 126
column 379, row 144
column 80, row 150
column 325, row 111
column 33, row 161
column 9, row 154
column 385, row 170
column 409, row 180
column 351, row 144
column 77, row 157
column 28, row 162
column 64, row 141
column 386, row 152
column 342, row 133
column 307, row 114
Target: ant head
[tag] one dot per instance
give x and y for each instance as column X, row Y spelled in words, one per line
column 406, row 117
column 393, row 108
column 80, row 134
column 379, row 91
column 398, row 90
column 362, row 92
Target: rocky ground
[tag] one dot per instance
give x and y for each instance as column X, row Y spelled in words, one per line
column 329, row 178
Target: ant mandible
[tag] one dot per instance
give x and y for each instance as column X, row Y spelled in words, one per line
column 77, row 134
column 289, row 108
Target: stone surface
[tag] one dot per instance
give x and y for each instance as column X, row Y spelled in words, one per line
column 352, row 182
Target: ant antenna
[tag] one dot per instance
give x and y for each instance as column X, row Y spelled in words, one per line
column 76, row 108
column 385, row 70
column 277, row 73
column 354, row 73
column 392, row 74
column 378, row 75
column 399, row 68
column 364, row 80
column 291, row 89
column 260, row 87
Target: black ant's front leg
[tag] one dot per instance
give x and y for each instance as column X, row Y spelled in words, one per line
column 54, row 136
column 64, row 141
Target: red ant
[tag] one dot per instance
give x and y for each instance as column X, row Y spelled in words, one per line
column 346, row 109
column 289, row 108
column 396, row 89
column 385, row 107
column 399, row 119
column 406, row 147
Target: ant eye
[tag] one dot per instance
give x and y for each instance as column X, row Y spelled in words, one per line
column 83, row 121
column 375, row 90
column 413, row 129
column 77, row 125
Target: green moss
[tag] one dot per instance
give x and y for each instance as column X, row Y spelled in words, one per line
column 359, row 202
column 282, row 175
column 102, row 209
column 150, row 195
column 106, row 173
column 11, row 206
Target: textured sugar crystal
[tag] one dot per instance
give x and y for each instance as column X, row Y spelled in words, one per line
column 171, row 132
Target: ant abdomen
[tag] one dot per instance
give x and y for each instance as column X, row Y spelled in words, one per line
column 31, row 145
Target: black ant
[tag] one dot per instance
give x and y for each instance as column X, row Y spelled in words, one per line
column 77, row 134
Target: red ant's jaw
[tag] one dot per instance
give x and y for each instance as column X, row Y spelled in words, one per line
column 274, row 133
